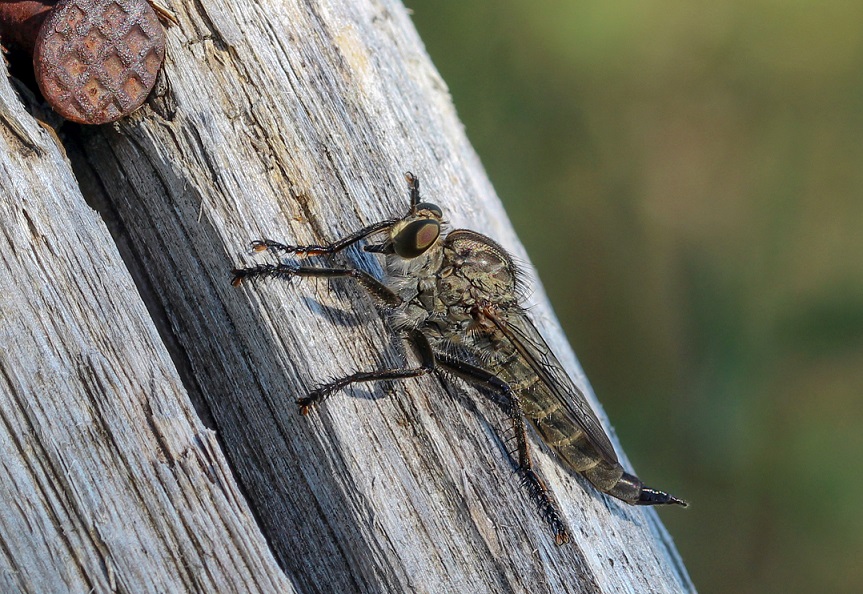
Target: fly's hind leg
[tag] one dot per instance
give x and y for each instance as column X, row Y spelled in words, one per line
column 512, row 405
column 427, row 365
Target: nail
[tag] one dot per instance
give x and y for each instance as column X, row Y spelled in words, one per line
column 20, row 21
column 95, row 60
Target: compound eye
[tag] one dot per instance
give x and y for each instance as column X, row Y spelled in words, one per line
column 432, row 208
column 416, row 237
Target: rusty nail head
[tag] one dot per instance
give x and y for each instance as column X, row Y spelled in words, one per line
column 95, row 60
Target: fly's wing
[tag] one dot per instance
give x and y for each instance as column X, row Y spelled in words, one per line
column 533, row 349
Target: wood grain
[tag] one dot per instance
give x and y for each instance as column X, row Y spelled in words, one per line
column 110, row 482
column 293, row 121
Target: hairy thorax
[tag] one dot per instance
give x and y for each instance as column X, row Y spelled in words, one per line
column 446, row 290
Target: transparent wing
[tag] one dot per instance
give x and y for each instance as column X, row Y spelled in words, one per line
column 533, row 349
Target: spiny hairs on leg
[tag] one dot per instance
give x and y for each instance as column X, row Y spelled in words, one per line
column 510, row 442
column 529, row 478
column 281, row 271
column 545, row 504
column 263, row 245
column 317, row 395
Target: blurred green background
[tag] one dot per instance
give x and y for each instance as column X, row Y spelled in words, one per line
column 699, row 169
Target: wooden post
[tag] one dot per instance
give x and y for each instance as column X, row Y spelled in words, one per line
column 293, row 121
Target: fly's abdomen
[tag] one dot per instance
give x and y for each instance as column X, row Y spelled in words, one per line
column 578, row 441
column 564, row 436
column 560, row 431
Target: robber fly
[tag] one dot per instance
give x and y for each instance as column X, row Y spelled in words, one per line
column 455, row 298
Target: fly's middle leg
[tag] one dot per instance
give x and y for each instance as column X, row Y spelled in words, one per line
column 512, row 405
column 427, row 365
column 380, row 292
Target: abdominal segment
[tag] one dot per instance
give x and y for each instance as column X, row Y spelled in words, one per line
column 566, row 439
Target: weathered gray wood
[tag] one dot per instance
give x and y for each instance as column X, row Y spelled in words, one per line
column 296, row 121
column 108, row 479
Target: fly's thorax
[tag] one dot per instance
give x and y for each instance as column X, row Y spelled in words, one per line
column 475, row 270
column 414, row 279
column 410, row 271
column 443, row 287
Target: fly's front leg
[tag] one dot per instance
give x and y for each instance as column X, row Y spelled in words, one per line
column 512, row 405
column 262, row 245
column 414, row 187
column 427, row 365
column 380, row 292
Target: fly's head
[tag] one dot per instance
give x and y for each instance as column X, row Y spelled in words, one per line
column 417, row 232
